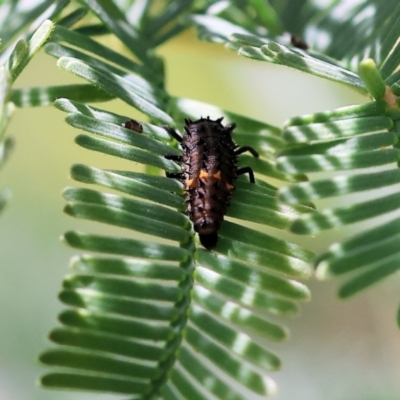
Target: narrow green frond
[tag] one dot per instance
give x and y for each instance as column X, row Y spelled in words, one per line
column 369, row 257
column 46, row 95
column 141, row 86
column 371, row 109
column 183, row 385
column 74, row 108
column 256, row 239
column 117, row 133
column 116, row 210
column 24, row 51
column 390, row 46
column 339, row 128
column 93, row 382
column 329, row 219
column 277, row 53
column 150, row 297
column 158, row 23
column 93, row 30
column 193, row 363
column 349, row 161
column 238, row 315
column 114, row 84
column 144, row 186
column 72, row 18
column 229, row 337
column 137, row 329
column 248, row 296
column 97, row 363
column 125, row 151
column 62, row 34
column 125, row 247
column 229, row 363
column 80, row 197
column 98, row 301
column 19, row 22
column 338, row 186
column 114, row 19
column 126, row 267
column 369, row 73
column 256, row 278
column 264, row 209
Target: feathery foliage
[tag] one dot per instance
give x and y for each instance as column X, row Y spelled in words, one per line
column 158, row 315
column 352, row 139
column 152, row 314
column 18, row 46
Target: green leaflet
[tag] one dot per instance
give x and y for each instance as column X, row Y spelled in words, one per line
column 148, row 311
column 361, row 140
column 43, row 96
column 150, row 284
column 13, row 62
column 148, row 281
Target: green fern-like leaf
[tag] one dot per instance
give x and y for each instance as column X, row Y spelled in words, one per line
column 151, row 313
column 22, row 34
column 359, row 143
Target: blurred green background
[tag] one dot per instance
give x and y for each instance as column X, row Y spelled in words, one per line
column 337, row 350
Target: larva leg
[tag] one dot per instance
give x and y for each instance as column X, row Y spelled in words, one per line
column 246, row 170
column 173, row 133
column 173, row 157
column 243, row 149
column 174, row 175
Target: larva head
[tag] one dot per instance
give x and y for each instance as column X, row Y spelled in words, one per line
column 209, row 241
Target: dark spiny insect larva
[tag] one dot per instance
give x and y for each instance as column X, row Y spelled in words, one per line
column 209, row 173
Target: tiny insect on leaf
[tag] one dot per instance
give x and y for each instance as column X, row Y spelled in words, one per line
column 133, row 125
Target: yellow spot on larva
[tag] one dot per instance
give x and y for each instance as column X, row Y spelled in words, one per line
column 203, row 174
column 217, row 175
column 190, row 183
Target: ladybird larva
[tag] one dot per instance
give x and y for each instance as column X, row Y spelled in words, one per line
column 209, row 173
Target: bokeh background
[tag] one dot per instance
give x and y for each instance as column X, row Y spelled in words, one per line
column 337, row 350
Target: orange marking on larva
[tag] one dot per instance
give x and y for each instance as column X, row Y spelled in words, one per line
column 217, row 175
column 203, row 174
column 190, row 183
column 229, row 187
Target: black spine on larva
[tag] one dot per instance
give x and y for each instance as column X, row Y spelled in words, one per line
column 209, row 174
